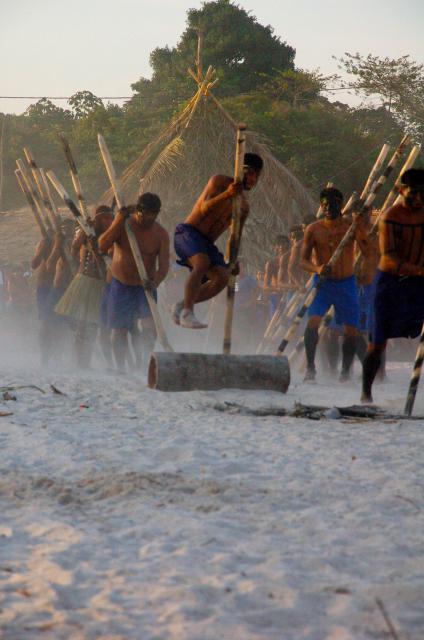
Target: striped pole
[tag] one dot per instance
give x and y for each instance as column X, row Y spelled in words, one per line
column 74, row 176
column 110, row 170
column 89, row 231
column 394, row 197
column 348, row 237
column 416, row 375
column 35, row 196
column 31, row 203
column 234, row 241
column 52, row 222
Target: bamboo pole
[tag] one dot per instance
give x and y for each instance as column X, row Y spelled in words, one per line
column 394, row 197
column 74, row 175
column 39, row 185
column 110, row 170
column 89, row 231
column 235, row 237
column 345, row 241
column 416, row 375
column 31, row 203
column 35, row 197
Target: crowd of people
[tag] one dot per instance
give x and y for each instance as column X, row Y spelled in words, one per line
column 89, row 290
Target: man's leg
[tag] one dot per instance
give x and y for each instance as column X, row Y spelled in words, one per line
column 217, row 281
column 348, row 351
column 371, row 365
column 311, row 342
column 330, row 343
column 119, row 348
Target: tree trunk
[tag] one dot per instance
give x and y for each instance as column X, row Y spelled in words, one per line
column 188, row 371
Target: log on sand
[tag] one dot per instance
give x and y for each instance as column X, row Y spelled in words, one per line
column 188, row 371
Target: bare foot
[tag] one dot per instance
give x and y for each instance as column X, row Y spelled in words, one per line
column 189, row 320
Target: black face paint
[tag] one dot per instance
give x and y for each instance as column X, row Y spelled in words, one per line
column 331, row 207
column 410, row 198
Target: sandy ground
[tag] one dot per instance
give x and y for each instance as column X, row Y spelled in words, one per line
column 129, row 513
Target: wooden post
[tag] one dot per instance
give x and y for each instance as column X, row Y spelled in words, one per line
column 110, row 170
column 235, row 237
column 3, row 127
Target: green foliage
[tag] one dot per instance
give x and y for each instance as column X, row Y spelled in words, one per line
column 258, row 84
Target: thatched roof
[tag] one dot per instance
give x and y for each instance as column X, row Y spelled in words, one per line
column 199, row 143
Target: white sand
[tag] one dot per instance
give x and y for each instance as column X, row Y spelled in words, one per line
column 133, row 514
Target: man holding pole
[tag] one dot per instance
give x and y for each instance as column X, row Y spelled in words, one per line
column 339, row 286
column 195, row 239
column 399, row 298
column 127, row 298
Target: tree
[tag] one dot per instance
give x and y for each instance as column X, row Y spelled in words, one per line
column 397, row 82
column 84, row 102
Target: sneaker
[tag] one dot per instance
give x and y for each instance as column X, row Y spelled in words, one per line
column 176, row 311
column 189, row 320
column 310, row 375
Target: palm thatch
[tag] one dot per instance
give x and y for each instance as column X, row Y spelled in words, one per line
column 199, row 143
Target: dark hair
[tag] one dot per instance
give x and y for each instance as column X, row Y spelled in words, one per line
column 149, row 202
column 412, row 178
column 331, row 192
column 103, row 209
column 281, row 239
column 253, row 161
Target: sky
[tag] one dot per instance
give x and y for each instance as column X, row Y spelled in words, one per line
column 57, row 47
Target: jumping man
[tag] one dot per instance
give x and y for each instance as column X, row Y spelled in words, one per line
column 195, row 239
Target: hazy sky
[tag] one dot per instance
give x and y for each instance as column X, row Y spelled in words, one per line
column 58, row 47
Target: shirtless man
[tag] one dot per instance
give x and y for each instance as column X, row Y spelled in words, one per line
column 195, row 239
column 339, row 287
column 127, row 299
column 276, row 273
column 399, row 298
column 296, row 275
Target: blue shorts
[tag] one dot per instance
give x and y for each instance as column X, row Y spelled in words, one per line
column 366, row 306
column 104, row 306
column 188, row 241
column 127, row 303
column 343, row 295
column 398, row 307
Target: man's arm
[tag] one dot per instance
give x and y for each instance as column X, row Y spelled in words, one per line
column 219, row 189
column 163, row 259
column 78, row 241
column 362, row 238
column 390, row 260
column 294, row 259
column 115, row 231
column 41, row 253
column 56, row 251
column 306, row 253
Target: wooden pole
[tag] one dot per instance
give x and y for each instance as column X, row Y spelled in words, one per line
column 89, row 231
column 345, row 241
column 31, row 203
column 235, row 237
column 110, row 170
column 74, row 175
column 199, row 60
column 40, row 186
column 393, row 197
column 35, row 197
column 416, row 375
